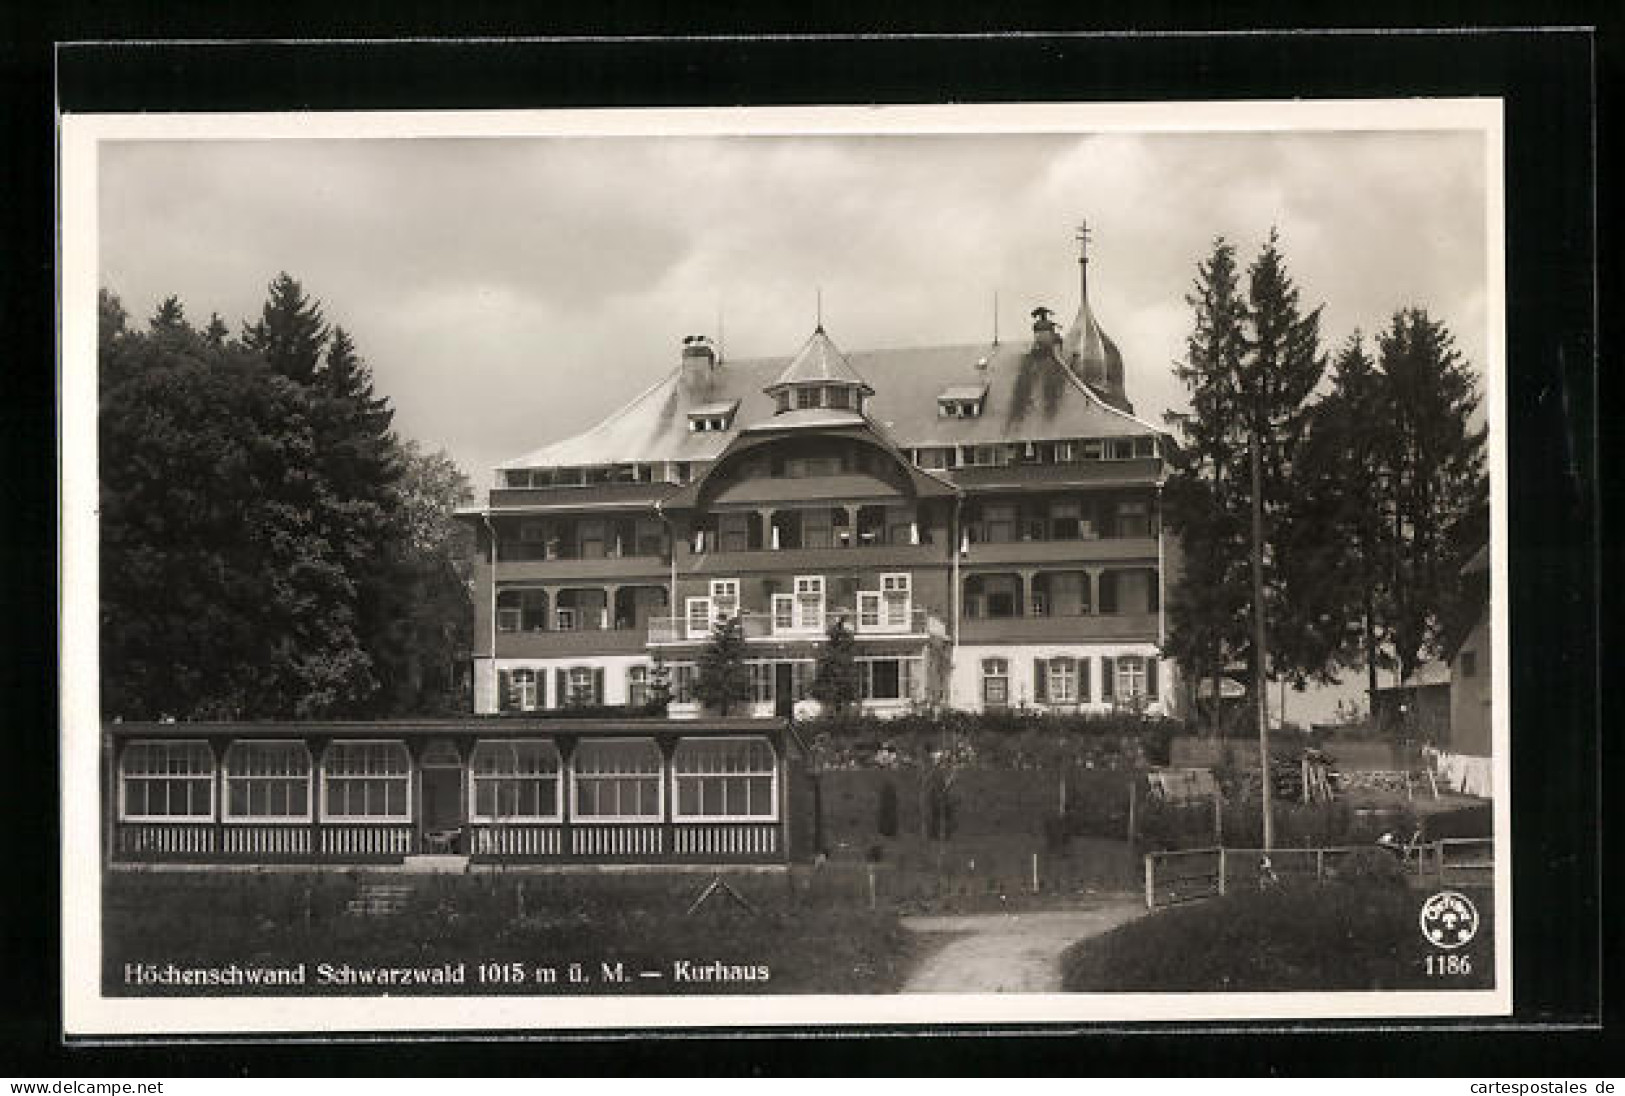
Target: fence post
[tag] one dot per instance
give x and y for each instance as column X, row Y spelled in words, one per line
column 871, row 886
column 1150, row 883
column 1222, row 859
column 1035, row 873
column 1218, row 820
column 1320, row 865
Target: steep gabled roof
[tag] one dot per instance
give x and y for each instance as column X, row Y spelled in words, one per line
column 1031, row 396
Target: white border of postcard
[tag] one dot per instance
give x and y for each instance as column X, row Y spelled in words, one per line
column 87, row 1013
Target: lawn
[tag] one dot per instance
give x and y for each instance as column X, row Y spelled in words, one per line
column 1334, row 936
column 505, row 934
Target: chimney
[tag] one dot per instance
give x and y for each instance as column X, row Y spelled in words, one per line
column 1045, row 337
column 699, row 357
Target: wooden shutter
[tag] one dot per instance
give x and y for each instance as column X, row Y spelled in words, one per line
column 506, row 701
column 1083, row 680
column 1153, row 594
column 1108, row 592
column 1151, row 677
column 1040, row 680
column 1108, row 675
column 598, row 685
column 561, row 688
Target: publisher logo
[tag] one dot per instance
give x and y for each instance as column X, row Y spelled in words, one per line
column 1449, row 920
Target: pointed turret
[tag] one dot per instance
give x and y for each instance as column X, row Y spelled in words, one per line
column 819, row 376
column 1087, row 350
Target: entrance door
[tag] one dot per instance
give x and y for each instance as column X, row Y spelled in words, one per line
column 784, row 690
column 442, row 809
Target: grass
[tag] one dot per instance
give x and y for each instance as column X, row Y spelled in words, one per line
column 808, row 943
column 1333, row 936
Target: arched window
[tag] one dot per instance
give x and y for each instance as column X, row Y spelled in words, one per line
column 166, row 782
column 617, row 780
column 515, row 781
column 367, row 782
column 725, row 780
column 268, row 781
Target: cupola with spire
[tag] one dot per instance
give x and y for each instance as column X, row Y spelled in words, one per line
column 819, row 376
column 1087, row 350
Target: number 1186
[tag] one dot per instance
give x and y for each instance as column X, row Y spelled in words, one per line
column 1445, row 966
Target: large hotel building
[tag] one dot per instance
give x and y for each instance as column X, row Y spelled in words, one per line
column 985, row 518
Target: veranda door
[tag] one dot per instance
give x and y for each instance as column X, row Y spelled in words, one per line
column 444, row 813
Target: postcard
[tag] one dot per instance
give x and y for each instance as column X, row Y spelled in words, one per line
column 656, row 569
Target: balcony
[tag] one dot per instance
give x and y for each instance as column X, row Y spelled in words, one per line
column 582, row 641
column 913, row 623
column 601, row 569
column 1104, row 550
column 1060, row 629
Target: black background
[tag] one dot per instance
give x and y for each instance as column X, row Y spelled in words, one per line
column 1559, row 677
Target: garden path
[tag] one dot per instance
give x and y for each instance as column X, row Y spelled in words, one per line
column 1011, row 952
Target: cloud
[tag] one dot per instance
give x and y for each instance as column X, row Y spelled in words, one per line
column 510, row 291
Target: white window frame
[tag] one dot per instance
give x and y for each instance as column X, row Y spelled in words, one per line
column 809, row 591
column 698, row 611
column 637, row 686
column 869, row 607
column 1130, row 674
column 724, row 599
column 564, row 620
column 476, row 778
column 784, row 612
column 678, row 777
column 229, row 816
column 581, row 680
column 340, row 745
column 1062, row 684
column 577, row 778
column 521, row 701
column 207, row 779
column 996, row 669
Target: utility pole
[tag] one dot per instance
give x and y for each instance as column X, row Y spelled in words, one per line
column 1259, row 695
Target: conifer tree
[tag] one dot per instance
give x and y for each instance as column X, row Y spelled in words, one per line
column 722, row 679
column 1201, row 503
column 836, row 683
column 1438, row 497
column 291, row 332
column 1283, row 367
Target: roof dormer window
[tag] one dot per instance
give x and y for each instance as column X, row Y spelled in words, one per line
column 962, row 401
column 712, row 418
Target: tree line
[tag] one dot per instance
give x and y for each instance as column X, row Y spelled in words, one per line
column 270, row 547
column 1371, row 480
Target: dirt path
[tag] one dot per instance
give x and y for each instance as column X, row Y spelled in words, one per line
column 1010, row 952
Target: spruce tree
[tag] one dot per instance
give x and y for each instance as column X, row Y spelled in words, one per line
column 836, row 684
column 1202, row 504
column 291, row 332
column 1283, row 367
column 722, row 679
column 1438, row 502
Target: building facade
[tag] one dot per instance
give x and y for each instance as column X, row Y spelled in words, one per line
column 985, row 519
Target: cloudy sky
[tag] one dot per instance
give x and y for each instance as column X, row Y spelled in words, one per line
column 509, row 291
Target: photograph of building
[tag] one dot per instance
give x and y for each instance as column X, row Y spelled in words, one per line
column 984, row 518
column 789, row 551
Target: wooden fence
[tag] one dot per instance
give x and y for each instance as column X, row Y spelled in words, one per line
column 1189, row 874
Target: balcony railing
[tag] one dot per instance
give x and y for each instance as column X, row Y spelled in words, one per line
column 800, row 625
